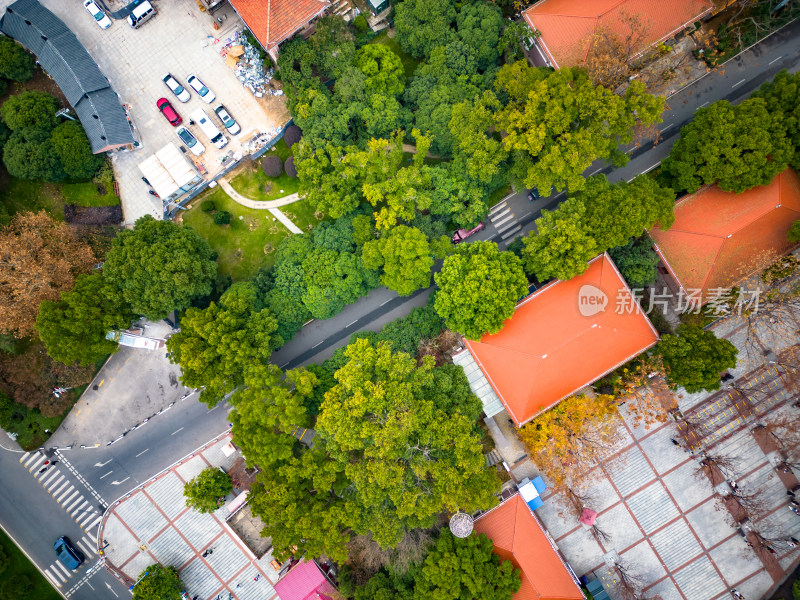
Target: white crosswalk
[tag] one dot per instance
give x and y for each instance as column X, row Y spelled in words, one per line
column 504, row 220
column 58, row 574
column 58, row 485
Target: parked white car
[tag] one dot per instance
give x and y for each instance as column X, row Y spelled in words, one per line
column 201, row 89
column 176, row 88
column 207, row 126
column 100, row 17
column 191, row 142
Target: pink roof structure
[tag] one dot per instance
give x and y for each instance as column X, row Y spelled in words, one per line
column 305, row 582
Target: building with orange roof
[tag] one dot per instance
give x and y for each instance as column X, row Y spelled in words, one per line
column 719, row 238
column 518, row 536
column 565, row 336
column 275, row 21
column 566, row 26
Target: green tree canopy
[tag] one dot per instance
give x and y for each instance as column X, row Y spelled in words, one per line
column 782, row 96
column 422, row 25
column 406, row 258
column 558, row 123
column 637, row 261
column 738, row 147
column 694, row 358
column 561, row 247
column 72, row 148
column 31, row 109
column 479, row 27
column 482, row 153
column 458, row 568
column 479, row 287
column 794, row 232
column 74, row 328
column 157, row 582
column 395, row 445
column 160, row 266
column 29, row 154
column 16, row 63
column 206, row 492
column 215, row 346
column 383, row 68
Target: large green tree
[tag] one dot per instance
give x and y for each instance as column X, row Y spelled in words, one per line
column 482, row 153
column 383, row 70
column 31, row 109
column 206, row 492
column 422, row 25
column 782, row 96
column 215, row 346
column 694, row 358
column 29, row 154
column 160, row 267
column 73, row 150
column 395, row 445
column 460, row 568
column 561, row 246
column 16, row 63
column 557, row 123
column 157, row 582
column 479, row 287
column 637, row 261
column 74, row 328
column 479, row 26
column 738, row 147
column 406, row 258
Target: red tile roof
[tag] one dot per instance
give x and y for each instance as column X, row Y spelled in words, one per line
column 719, row 238
column 548, row 349
column 566, row 26
column 518, row 536
column 273, row 21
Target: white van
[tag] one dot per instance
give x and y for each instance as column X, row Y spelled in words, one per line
column 208, row 127
column 140, row 14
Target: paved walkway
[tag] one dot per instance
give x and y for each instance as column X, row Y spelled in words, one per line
column 256, row 204
column 152, row 524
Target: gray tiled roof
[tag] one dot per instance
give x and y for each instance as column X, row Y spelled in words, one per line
column 69, row 64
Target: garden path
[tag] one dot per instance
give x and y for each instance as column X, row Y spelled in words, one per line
column 271, row 205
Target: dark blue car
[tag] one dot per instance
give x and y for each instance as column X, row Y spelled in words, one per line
column 67, row 553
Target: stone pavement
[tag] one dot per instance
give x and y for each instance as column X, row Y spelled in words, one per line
column 153, row 524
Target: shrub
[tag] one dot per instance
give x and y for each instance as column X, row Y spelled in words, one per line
column 272, row 166
column 794, row 231
column 72, row 147
column 292, row 135
column 360, row 23
column 222, row 217
column 36, row 110
column 208, row 206
column 289, row 167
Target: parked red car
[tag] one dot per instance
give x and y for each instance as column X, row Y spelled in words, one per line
column 166, row 109
column 462, row 234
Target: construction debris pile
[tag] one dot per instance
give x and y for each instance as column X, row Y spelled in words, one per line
column 246, row 61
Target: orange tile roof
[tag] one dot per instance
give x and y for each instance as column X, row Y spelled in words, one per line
column 518, row 536
column 719, row 237
column 566, row 26
column 548, row 350
column 273, row 21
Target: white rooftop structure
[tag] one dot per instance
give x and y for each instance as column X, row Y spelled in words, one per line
column 169, row 172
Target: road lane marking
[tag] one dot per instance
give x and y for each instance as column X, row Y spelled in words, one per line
column 56, row 482
column 75, row 503
column 54, row 581
column 83, row 506
column 738, row 83
column 176, row 431
column 317, row 344
column 93, row 523
column 284, row 364
column 58, row 493
column 387, row 301
column 651, row 167
column 111, row 590
column 353, row 323
column 103, row 464
column 69, row 498
column 775, row 59
column 64, row 569
column 142, row 452
column 107, row 474
column 665, row 128
column 596, row 172
column 120, row 482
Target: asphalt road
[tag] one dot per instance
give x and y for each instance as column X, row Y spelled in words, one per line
column 31, row 515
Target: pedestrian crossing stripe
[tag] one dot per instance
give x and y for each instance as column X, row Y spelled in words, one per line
column 52, row 578
column 71, row 495
column 63, row 569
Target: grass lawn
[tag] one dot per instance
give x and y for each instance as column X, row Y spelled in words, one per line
column 20, row 566
column 19, row 195
column 251, row 181
column 249, row 242
column 301, row 214
column 86, row 194
column 409, row 62
column 30, row 425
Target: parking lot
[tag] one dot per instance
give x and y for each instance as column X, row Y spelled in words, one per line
column 179, row 40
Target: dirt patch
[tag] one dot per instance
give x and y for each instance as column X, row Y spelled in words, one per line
column 93, row 215
column 40, row 82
